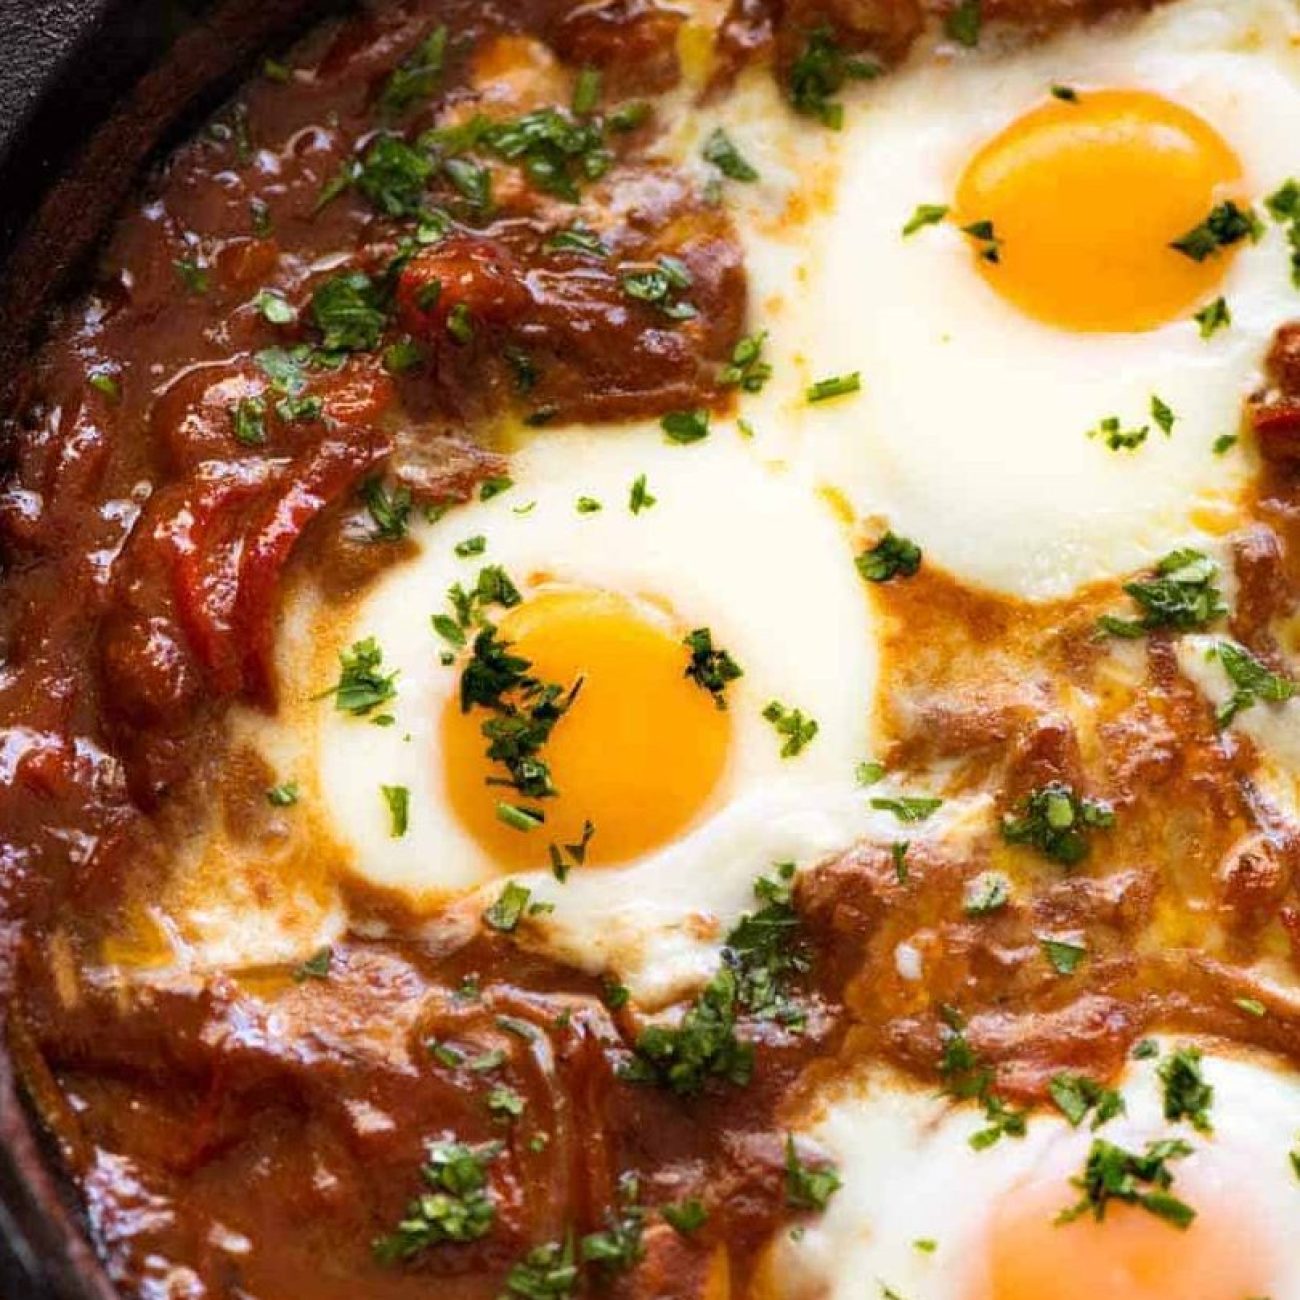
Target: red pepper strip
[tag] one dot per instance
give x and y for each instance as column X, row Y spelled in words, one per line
column 203, row 534
column 332, row 470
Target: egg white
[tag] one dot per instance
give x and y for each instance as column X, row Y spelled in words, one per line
column 969, row 434
column 903, row 1153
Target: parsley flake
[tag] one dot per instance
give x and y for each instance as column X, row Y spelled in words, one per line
column 797, row 731
column 825, row 390
column 1227, row 224
column 639, row 498
column 710, row 668
column 457, row 1206
column 1252, row 681
column 1114, row 1174
column 398, row 799
column 891, row 557
column 1181, row 595
column 723, row 154
column 926, row 214
column 361, row 687
column 506, row 913
column 1214, row 316
column 1057, row 821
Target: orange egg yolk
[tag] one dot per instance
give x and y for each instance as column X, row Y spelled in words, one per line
column 638, row 754
column 1131, row 1254
column 1085, row 199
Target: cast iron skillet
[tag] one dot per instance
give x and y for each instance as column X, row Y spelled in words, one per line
column 90, row 90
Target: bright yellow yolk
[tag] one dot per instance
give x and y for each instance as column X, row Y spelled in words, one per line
column 1129, row 1255
column 1086, row 198
column 638, row 754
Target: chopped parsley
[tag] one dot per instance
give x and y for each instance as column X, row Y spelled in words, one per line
column 390, row 511
column 748, row 371
column 1284, row 207
column 557, row 151
column 564, row 857
column 1116, row 437
column 1284, row 203
column 797, row 732
column 284, row 795
column 460, row 324
column 472, row 181
column 825, row 390
column 1067, row 94
column 457, row 1206
column 196, row 277
column 988, row 242
column 808, row 1187
column 1180, row 595
column 617, row 995
column 418, row 76
column 966, row 1078
column 898, row 855
column 762, row 953
column 1163, row 415
column 661, row 286
column 1252, row 681
column 394, row 176
column 588, row 506
column 908, row 809
column 891, row 557
column 398, row 799
column 1077, row 1096
column 710, row 668
column 273, row 309
column 1114, row 1174
column 404, row 355
column 576, row 239
column 1064, row 954
column 686, row 426
column 1226, row 225
column 346, row 309
column 723, row 154
column 701, row 1047
column 494, row 486
column 618, row 1246
column 586, row 91
column 471, row 546
column 361, row 687
column 926, row 214
column 524, row 711
column 103, row 381
column 962, row 23
column 505, row 1103
column 1057, row 821
column 1214, row 316
column 547, row 1272
column 506, row 913
column 766, row 953
column 520, row 819
column 248, row 421
column 316, row 967
column 820, row 72
column 869, row 772
column 686, row 1217
column 988, row 892
column 1224, row 443
column 639, row 498
column 1186, row 1093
